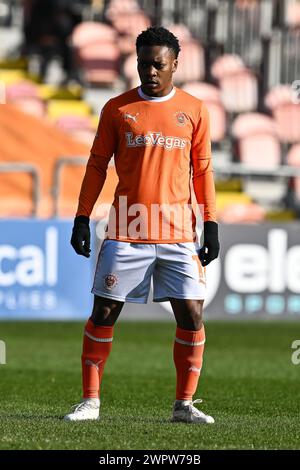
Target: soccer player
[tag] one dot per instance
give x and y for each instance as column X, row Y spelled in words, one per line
column 159, row 136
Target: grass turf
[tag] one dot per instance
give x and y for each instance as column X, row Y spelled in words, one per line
column 248, row 384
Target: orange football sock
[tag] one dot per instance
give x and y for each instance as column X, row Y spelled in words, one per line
column 97, row 344
column 188, row 353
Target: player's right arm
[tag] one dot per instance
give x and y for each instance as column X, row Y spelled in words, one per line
column 103, row 148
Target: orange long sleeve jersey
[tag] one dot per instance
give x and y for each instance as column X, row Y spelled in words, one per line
column 158, row 144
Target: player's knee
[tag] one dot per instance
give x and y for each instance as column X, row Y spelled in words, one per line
column 196, row 318
column 188, row 313
column 192, row 319
column 195, row 313
column 101, row 312
column 105, row 312
column 102, row 316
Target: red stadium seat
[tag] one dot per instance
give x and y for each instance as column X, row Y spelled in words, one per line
column 90, row 32
column 79, row 128
column 25, row 96
column 34, row 106
column 22, row 89
column 97, row 52
column 286, row 112
column 129, row 26
column 126, row 45
column 85, row 136
column 117, row 8
column 239, row 91
column 293, row 156
column 239, row 87
column 71, row 122
column 258, row 142
column 293, row 14
column 225, row 65
column 181, row 31
column 293, row 159
column 131, row 23
column 100, row 64
column 130, row 71
column 191, row 65
column 246, row 3
column 203, row 91
column 242, row 213
column 212, row 98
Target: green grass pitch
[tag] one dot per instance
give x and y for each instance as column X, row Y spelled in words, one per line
column 248, row 383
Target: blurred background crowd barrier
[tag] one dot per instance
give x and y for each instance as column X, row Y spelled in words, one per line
column 61, row 60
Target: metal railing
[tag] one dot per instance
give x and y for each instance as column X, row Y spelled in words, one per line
column 241, row 169
column 33, row 171
column 230, row 169
column 60, row 164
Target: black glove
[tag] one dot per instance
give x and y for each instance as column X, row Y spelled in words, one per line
column 81, row 236
column 211, row 246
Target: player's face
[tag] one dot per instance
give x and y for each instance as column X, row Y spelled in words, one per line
column 156, row 65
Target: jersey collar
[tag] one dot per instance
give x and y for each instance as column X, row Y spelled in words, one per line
column 157, row 99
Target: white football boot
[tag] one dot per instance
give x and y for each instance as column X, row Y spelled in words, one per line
column 184, row 411
column 88, row 408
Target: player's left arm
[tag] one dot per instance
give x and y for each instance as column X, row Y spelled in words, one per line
column 204, row 186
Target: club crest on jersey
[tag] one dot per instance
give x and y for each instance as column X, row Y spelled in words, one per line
column 110, row 281
column 154, row 139
column 180, row 118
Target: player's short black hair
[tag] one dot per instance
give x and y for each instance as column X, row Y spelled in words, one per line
column 158, row 36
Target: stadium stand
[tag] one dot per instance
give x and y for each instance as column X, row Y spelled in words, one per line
column 128, row 26
column 293, row 159
column 240, row 56
column 97, row 52
column 211, row 95
column 286, row 112
column 25, row 96
column 293, row 14
column 238, row 85
column 236, row 213
column 258, row 141
column 191, row 65
column 42, row 152
column 117, row 8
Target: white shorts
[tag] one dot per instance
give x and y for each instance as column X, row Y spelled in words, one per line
column 124, row 271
